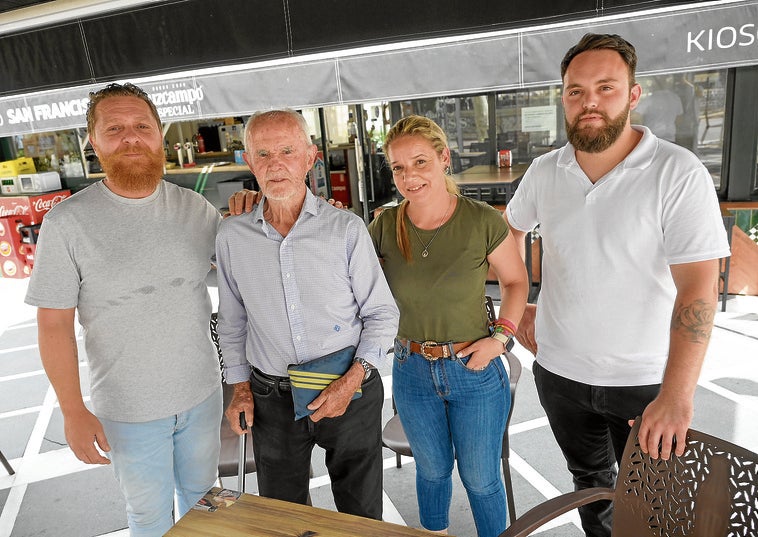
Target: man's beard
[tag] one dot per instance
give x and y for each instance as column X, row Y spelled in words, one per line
column 592, row 140
column 136, row 175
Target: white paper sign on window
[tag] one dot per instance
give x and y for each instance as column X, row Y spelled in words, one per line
column 538, row 118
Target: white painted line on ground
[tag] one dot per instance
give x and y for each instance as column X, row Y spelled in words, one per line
column 18, row 376
column 516, row 428
column 11, row 509
column 19, row 326
column 390, row 512
column 18, row 349
column 728, row 394
column 544, row 487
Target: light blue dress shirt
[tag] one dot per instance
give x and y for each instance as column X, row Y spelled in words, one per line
column 285, row 300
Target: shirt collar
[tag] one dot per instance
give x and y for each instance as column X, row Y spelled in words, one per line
column 310, row 206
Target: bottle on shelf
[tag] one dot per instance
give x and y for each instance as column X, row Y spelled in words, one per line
column 200, row 143
column 352, row 128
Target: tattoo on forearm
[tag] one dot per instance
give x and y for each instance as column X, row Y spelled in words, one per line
column 694, row 321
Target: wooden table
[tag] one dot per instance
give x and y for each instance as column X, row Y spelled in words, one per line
column 254, row 516
column 490, row 183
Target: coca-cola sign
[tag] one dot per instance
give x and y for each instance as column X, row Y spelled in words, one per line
column 42, row 205
column 18, row 210
column 31, row 209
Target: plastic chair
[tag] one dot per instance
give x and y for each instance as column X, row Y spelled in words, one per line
column 231, row 455
column 710, row 491
column 393, row 435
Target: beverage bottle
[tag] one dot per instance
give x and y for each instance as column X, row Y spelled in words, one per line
column 352, row 129
column 200, row 143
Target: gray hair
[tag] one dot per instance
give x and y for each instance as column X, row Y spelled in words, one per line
column 276, row 115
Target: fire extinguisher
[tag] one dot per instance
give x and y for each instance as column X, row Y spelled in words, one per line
column 200, row 143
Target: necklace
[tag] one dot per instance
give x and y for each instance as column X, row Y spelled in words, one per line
column 425, row 251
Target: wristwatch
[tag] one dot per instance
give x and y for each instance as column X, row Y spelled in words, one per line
column 502, row 338
column 367, row 367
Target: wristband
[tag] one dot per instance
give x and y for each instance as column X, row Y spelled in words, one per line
column 508, row 324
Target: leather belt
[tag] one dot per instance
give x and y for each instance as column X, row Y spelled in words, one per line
column 277, row 383
column 433, row 350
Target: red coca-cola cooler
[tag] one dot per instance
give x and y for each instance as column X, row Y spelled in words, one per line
column 13, row 262
column 20, row 219
column 31, row 209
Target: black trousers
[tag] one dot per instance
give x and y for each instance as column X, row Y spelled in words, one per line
column 353, row 445
column 590, row 424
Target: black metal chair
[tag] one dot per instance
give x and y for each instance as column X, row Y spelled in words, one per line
column 393, row 435
column 7, row 465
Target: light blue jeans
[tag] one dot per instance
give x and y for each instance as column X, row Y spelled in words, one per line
column 153, row 459
column 449, row 411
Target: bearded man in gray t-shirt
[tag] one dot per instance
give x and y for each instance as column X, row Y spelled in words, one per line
column 130, row 254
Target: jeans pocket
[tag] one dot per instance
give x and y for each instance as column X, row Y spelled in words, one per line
column 463, row 362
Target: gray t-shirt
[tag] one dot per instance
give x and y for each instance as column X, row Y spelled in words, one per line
column 135, row 269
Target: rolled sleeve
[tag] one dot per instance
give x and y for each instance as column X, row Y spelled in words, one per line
column 232, row 318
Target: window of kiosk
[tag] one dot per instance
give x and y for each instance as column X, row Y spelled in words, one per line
column 529, row 122
column 53, row 151
column 465, row 121
column 687, row 109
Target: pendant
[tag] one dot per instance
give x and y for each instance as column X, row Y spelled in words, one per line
column 425, row 253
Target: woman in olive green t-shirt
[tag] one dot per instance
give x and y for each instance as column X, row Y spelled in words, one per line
column 450, row 387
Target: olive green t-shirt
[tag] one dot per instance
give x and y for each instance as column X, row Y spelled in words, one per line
column 441, row 297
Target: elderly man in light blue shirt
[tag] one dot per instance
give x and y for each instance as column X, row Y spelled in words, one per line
column 298, row 280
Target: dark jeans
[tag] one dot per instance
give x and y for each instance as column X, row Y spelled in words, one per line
column 353, row 444
column 590, row 424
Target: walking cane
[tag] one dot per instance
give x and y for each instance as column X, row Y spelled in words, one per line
column 243, row 455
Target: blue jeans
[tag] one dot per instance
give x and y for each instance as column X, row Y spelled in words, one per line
column 590, row 424
column 449, row 411
column 153, row 459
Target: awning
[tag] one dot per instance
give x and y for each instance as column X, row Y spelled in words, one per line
column 699, row 37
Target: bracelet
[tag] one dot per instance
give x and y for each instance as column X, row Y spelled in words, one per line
column 498, row 327
column 510, row 325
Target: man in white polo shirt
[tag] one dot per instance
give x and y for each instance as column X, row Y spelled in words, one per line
column 632, row 238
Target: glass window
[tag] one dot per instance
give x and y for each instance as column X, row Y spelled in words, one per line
column 687, row 109
column 465, row 121
column 529, row 122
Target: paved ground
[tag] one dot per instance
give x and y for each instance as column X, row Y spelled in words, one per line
column 52, row 494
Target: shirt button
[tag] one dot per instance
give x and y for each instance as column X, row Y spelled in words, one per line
column 298, row 338
column 292, row 307
column 288, row 274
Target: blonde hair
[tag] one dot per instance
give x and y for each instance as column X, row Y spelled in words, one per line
column 432, row 133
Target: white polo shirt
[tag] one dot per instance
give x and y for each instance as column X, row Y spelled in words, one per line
column 607, row 295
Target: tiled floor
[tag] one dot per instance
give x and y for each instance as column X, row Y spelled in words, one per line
column 53, row 494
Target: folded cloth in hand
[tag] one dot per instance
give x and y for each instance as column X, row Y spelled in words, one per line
column 309, row 379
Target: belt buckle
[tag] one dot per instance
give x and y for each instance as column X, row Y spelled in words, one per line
column 426, row 355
